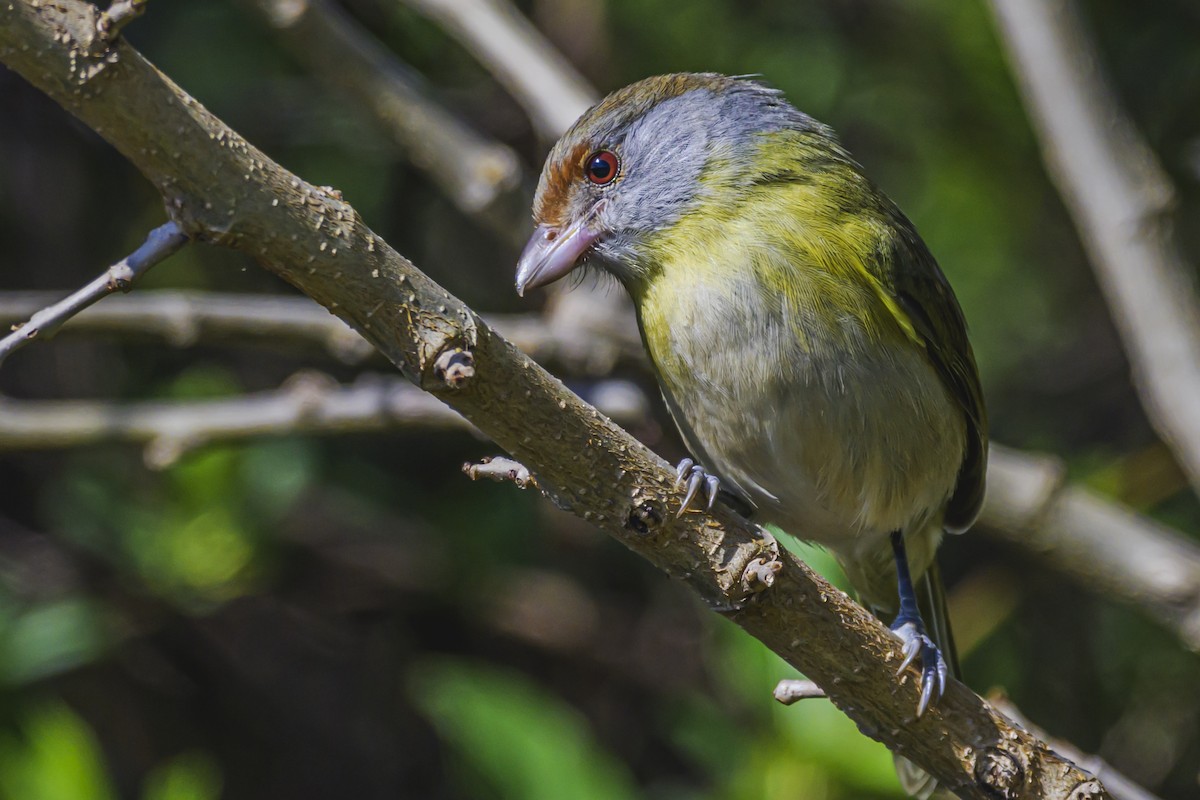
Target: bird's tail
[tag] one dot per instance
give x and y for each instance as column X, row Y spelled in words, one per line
column 931, row 599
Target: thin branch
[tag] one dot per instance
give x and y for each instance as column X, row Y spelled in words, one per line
column 222, row 188
column 1121, row 201
column 481, row 176
column 186, row 318
column 499, row 468
column 163, row 241
column 119, row 14
column 1103, row 545
column 307, row 404
column 790, row 692
column 552, row 92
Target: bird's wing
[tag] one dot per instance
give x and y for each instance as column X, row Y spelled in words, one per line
column 912, row 277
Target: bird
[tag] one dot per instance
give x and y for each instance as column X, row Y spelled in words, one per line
column 806, row 343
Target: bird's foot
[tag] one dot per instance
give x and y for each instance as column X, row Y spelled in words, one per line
column 934, row 668
column 700, row 484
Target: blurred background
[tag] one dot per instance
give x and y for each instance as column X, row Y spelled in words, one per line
column 346, row 615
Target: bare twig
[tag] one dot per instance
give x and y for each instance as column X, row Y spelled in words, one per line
column 499, row 468
column 793, row 691
column 1104, row 546
column 185, row 318
column 456, row 367
column 162, row 242
column 482, row 177
column 307, row 404
column 590, row 344
column 221, row 187
column 119, row 14
column 552, row 92
column 1121, row 200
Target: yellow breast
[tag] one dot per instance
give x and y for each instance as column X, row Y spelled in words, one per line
column 792, row 378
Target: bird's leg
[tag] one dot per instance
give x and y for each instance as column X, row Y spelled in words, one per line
column 911, row 630
column 699, row 484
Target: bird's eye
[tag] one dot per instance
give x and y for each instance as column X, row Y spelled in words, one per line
column 601, row 167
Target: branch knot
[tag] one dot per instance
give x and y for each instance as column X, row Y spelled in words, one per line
column 999, row 774
column 455, row 366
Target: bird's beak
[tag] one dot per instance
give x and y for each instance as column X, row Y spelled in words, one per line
column 552, row 252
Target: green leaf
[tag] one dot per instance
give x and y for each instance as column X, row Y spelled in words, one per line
column 801, row 746
column 274, row 475
column 49, row 638
column 188, row 776
column 55, row 758
column 524, row 742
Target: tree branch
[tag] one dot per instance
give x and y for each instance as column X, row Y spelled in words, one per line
column 462, row 162
column 1121, row 200
column 119, row 14
column 162, row 242
column 1104, row 546
column 1121, row 787
column 184, row 318
column 308, row 403
column 552, row 92
column 220, row 188
column 483, row 178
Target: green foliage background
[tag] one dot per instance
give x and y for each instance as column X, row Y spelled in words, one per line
column 349, row 617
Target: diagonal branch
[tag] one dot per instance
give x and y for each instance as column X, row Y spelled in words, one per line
column 1121, row 201
column 1101, row 544
column 541, row 79
column 790, row 692
column 1121, row 787
column 222, row 189
column 162, row 242
column 482, row 177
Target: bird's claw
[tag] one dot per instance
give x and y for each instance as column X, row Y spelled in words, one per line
column 699, row 483
column 934, row 668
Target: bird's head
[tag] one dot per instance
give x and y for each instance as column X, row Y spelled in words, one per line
column 637, row 162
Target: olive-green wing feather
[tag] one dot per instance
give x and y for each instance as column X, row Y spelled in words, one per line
column 914, row 279
column 908, row 281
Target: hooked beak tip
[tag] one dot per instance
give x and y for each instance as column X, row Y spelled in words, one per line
column 552, row 252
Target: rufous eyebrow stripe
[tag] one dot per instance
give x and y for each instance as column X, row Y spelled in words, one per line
column 552, row 200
